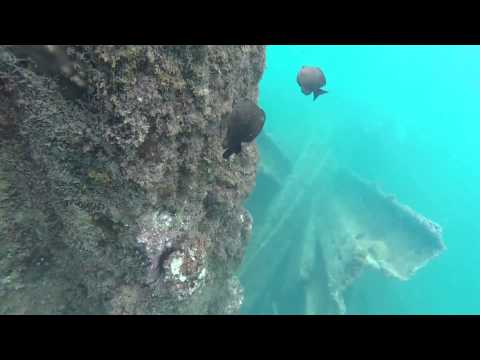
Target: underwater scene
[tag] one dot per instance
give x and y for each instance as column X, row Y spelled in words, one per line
column 367, row 198
column 239, row 179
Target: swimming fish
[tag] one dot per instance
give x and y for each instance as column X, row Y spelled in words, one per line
column 244, row 124
column 311, row 79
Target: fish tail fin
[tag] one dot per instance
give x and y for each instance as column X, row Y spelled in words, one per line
column 318, row 92
column 227, row 153
column 232, row 150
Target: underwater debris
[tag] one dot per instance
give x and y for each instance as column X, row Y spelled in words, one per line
column 244, row 124
column 274, row 162
column 317, row 239
column 311, row 79
column 273, row 170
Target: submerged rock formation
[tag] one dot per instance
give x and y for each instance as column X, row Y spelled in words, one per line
column 114, row 196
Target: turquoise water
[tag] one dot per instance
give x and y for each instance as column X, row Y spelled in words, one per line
column 408, row 118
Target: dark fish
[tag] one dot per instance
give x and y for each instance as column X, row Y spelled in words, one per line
column 243, row 125
column 311, row 79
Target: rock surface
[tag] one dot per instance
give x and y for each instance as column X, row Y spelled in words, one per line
column 114, row 197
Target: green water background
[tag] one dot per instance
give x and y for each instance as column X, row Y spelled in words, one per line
column 405, row 117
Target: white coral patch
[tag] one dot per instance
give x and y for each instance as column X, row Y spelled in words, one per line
column 164, row 220
column 175, row 267
column 203, row 273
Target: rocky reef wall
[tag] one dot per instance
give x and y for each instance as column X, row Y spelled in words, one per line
column 114, row 196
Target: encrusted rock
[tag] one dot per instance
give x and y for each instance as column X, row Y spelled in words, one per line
column 111, row 171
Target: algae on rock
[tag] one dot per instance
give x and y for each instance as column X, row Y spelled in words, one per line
column 106, row 158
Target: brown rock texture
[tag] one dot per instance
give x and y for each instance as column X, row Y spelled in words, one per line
column 114, row 196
